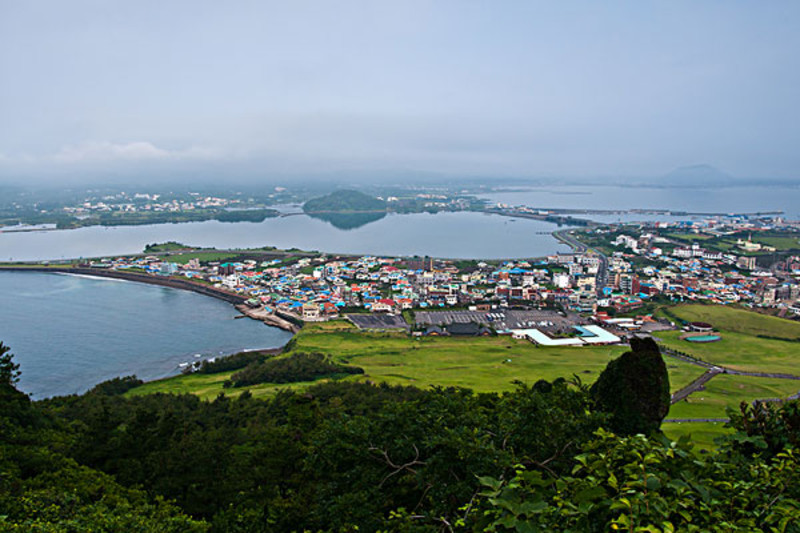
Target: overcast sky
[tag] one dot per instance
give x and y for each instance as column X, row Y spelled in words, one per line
column 460, row 88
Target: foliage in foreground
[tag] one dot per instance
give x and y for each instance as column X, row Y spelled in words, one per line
column 43, row 490
column 639, row 484
column 345, row 456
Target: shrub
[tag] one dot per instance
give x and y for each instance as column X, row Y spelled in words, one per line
column 297, row 367
column 634, row 389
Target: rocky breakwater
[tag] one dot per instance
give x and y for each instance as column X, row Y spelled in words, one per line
column 270, row 319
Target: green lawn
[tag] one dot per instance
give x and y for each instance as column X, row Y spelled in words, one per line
column 702, row 434
column 494, row 363
column 729, row 391
column 729, row 318
column 482, row 364
column 203, row 257
column 749, row 340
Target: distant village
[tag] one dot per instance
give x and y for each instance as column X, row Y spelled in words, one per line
column 147, row 202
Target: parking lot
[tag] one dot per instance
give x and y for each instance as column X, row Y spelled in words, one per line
column 502, row 319
column 378, row 321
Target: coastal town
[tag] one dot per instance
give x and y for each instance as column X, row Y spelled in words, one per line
column 615, row 276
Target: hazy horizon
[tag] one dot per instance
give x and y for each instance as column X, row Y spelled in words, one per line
column 148, row 91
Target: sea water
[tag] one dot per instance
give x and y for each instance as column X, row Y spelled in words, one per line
column 69, row 333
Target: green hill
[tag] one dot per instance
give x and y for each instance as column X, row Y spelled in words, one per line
column 344, row 201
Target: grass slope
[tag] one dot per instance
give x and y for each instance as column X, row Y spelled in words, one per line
column 494, row 363
column 727, row 390
column 743, row 347
column 702, row 434
column 480, row 363
column 749, row 340
column 738, row 320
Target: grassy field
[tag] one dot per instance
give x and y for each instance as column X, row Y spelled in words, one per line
column 743, row 347
column 482, row 364
column 779, row 240
column 494, row 363
column 688, row 237
column 741, row 352
column 727, row 318
column 203, row 257
column 208, row 386
column 750, row 341
column 729, row 391
column 702, row 434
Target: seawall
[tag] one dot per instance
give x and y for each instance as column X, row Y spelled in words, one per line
column 141, row 278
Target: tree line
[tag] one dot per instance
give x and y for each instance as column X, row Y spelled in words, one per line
column 341, row 456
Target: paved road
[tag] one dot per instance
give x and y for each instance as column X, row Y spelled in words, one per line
column 696, row 385
column 567, row 238
column 564, row 236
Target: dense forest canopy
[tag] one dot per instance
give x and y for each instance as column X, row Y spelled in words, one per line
column 342, row 456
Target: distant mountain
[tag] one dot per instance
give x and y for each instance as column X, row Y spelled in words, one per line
column 696, row 176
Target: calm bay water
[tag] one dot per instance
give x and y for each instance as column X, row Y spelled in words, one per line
column 717, row 199
column 69, row 333
column 456, row 235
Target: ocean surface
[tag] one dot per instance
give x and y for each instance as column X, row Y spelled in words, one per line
column 452, row 235
column 69, row 333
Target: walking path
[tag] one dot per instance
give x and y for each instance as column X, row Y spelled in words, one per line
column 712, row 371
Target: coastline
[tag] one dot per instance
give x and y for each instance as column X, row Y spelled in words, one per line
column 234, row 299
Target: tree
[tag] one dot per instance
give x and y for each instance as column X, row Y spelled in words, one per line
column 634, row 389
column 9, row 370
column 15, row 406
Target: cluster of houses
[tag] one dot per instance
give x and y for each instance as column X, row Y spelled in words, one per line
column 647, row 264
column 321, row 287
column 145, row 202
